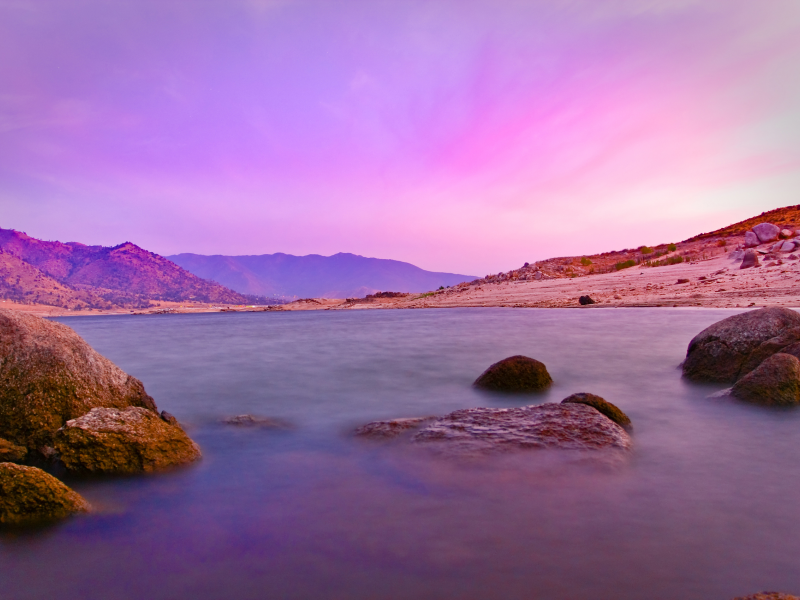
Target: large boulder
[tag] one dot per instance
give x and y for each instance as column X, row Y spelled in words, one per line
column 733, row 347
column 49, row 375
column 29, row 495
column 767, row 232
column 775, row 382
column 568, row 426
column 515, row 374
column 603, row 406
column 751, row 240
column 133, row 440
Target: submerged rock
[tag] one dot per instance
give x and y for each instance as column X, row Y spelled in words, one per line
column 568, row 426
column 49, row 374
column 602, row 405
column 254, row 421
column 133, row 440
column 392, row 428
column 775, row 382
column 733, row 347
column 29, row 495
column 515, row 374
column 11, row 452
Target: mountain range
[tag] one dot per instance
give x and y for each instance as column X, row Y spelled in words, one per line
column 342, row 275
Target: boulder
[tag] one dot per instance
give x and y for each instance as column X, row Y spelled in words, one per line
column 132, row 440
column 584, row 300
column 561, row 426
column 775, row 382
column 728, row 349
column 515, row 374
column 788, row 246
column 11, row 452
column 749, row 260
column 786, row 233
column 29, row 495
column 767, row 232
column 49, row 374
column 390, row 429
column 751, row 240
column 602, row 405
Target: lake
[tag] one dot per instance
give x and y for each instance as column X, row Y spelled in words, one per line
column 707, row 506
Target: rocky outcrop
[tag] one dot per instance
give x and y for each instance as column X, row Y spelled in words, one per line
column 603, row 406
column 775, row 382
column 751, row 240
column 733, row 347
column 133, row 440
column 390, row 429
column 749, row 260
column 562, row 426
column 515, row 374
column 11, row 452
column 49, row 375
column 29, row 495
column 766, row 232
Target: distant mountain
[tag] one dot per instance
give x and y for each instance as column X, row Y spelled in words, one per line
column 74, row 274
column 339, row 276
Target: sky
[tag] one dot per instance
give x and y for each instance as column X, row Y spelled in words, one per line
column 458, row 135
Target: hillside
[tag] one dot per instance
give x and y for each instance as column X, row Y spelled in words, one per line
column 75, row 275
column 339, row 276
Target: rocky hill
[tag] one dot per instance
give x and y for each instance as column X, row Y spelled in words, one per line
column 342, row 275
column 73, row 275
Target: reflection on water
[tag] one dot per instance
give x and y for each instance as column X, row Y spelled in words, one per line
column 708, row 505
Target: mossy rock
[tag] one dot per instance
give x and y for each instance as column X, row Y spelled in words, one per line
column 775, row 382
column 11, row 452
column 603, row 406
column 515, row 374
column 29, row 495
column 113, row 441
column 49, row 375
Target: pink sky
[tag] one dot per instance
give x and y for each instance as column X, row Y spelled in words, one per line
column 463, row 136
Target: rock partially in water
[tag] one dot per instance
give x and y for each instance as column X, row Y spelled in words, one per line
column 775, row 382
column 29, row 495
column 392, row 428
column 584, row 300
column 767, row 232
column 49, row 374
column 254, row 421
column 768, row 596
column 515, row 374
column 11, row 452
column 561, row 426
column 113, row 441
column 602, row 405
column 731, row 348
column 749, row 260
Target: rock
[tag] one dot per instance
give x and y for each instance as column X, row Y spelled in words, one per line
column 605, row 407
column 49, row 374
column 736, row 255
column 584, row 300
column 11, row 452
column 766, row 232
column 749, row 260
column 392, row 428
column 788, row 246
column 775, row 382
column 751, row 240
column 537, row 275
column 169, row 418
column 29, row 495
column 786, row 233
column 776, row 246
column 728, row 349
column 681, row 281
column 562, row 426
column 133, row 440
column 515, row 374
column 768, row 596
column 253, row 421
column 792, row 257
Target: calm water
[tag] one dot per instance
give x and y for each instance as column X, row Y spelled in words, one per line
column 708, row 506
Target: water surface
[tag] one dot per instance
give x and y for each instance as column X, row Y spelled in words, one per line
column 707, row 507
